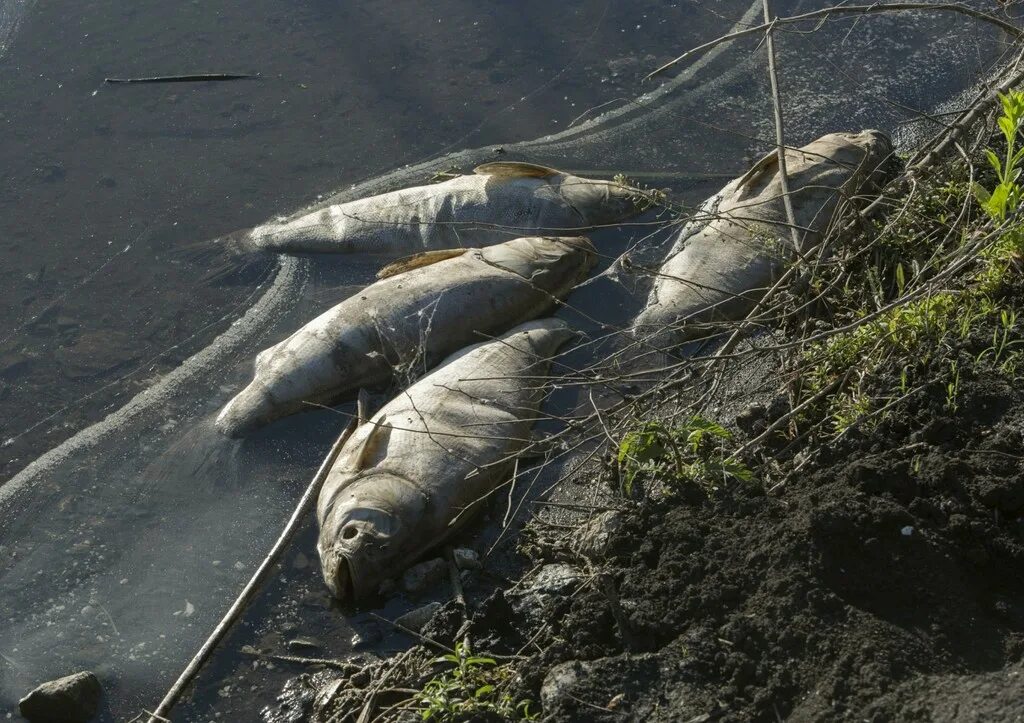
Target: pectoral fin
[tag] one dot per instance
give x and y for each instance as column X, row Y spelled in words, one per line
column 418, row 261
column 514, row 169
column 375, row 446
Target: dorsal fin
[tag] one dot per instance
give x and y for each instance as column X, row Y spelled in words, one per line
column 364, row 409
column 514, row 169
column 764, row 165
column 418, row 261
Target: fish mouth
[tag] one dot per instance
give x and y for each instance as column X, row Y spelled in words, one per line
column 343, row 587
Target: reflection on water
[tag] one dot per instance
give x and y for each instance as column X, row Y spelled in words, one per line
column 122, row 548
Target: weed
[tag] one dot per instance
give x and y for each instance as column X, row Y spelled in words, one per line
column 952, row 387
column 469, row 688
column 644, row 197
column 445, row 174
column 1003, row 202
column 1006, row 196
column 690, row 454
column 908, row 338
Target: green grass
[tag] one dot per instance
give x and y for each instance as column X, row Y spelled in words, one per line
column 910, row 340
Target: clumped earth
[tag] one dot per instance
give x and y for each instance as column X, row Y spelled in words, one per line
column 880, row 581
column 886, row 568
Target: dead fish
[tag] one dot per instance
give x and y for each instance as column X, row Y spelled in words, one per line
column 422, row 309
column 496, row 201
column 722, row 263
column 407, row 479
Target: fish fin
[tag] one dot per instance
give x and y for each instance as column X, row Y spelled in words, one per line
column 365, row 406
column 225, row 261
column 514, row 169
column 370, row 455
column 767, row 164
column 418, row 261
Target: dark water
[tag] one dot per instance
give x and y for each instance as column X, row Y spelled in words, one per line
column 120, row 549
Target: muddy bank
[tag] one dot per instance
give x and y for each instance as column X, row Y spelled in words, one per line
column 878, row 582
column 845, row 546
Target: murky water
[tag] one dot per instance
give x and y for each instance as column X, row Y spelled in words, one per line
column 128, row 525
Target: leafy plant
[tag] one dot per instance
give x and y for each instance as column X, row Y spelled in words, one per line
column 691, row 453
column 1006, row 195
column 469, row 687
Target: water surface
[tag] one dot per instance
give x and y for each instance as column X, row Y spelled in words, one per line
column 122, row 333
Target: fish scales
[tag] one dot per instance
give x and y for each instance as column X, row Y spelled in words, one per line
column 417, row 316
column 498, row 201
column 721, row 263
column 429, row 456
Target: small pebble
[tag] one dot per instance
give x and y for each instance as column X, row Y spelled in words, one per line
column 299, row 645
column 466, row 559
column 415, row 619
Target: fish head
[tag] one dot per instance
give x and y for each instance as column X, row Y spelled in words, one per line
column 601, row 202
column 868, row 156
column 369, row 531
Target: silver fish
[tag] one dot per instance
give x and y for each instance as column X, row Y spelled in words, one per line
column 421, row 310
column 496, row 201
column 407, row 479
column 721, row 263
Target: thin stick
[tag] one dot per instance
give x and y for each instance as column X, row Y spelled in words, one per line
column 409, row 631
column 299, row 660
column 846, row 10
column 460, row 596
column 780, row 143
column 236, row 609
column 146, row 712
column 197, row 78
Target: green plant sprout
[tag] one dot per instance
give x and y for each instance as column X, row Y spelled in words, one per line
column 469, row 687
column 1006, row 196
column 691, row 453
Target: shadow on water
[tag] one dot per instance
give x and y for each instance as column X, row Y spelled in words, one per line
column 122, row 547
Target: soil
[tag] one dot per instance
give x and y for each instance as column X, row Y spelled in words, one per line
column 875, row 579
column 879, row 582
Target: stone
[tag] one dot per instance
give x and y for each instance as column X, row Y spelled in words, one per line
column 551, row 582
column 419, row 577
column 366, row 638
column 594, row 538
column 466, row 559
column 72, row 699
column 415, row 619
column 560, row 682
column 304, row 645
column 751, row 419
column 301, row 562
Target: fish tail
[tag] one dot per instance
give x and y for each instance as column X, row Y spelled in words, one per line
column 230, row 260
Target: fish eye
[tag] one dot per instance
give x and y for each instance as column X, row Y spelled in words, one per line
column 349, row 532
